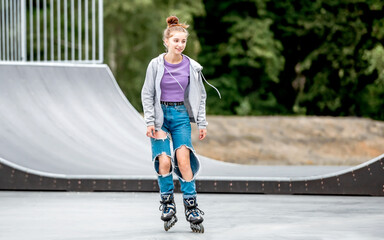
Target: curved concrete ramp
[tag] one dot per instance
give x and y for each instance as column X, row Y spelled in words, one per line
column 69, row 127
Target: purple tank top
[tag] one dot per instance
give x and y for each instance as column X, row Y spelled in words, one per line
column 170, row 89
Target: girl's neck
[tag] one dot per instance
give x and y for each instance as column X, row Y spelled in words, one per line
column 173, row 58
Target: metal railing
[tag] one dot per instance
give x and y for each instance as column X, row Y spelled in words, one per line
column 51, row 31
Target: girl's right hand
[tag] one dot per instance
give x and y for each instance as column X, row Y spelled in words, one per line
column 151, row 131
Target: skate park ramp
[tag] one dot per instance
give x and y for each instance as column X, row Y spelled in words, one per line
column 69, row 127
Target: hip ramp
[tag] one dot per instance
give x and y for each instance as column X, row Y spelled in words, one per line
column 69, row 127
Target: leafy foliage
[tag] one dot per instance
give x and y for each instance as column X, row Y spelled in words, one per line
column 133, row 36
column 329, row 42
column 320, row 57
column 294, row 56
column 242, row 57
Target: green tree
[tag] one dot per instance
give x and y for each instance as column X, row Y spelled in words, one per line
column 317, row 57
column 133, row 36
column 241, row 55
column 325, row 43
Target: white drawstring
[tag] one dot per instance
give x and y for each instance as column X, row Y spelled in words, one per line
column 173, row 77
column 211, row 85
column 201, row 75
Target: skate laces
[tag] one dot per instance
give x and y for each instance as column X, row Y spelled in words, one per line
column 166, row 207
column 195, row 212
column 191, row 208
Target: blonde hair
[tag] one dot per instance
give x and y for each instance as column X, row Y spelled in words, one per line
column 174, row 26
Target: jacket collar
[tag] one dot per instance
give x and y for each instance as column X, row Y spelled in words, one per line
column 195, row 65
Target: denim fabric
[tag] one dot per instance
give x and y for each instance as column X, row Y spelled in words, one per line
column 165, row 184
column 188, row 188
column 178, row 128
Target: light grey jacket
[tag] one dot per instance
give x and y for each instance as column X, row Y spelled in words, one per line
column 194, row 97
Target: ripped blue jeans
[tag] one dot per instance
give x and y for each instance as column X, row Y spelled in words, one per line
column 178, row 128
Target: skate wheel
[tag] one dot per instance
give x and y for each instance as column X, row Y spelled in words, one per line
column 170, row 223
column 197, row 228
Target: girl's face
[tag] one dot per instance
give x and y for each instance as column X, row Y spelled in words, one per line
column 176, row 44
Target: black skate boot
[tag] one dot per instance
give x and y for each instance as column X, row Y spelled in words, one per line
column 193, row 215
column 168, row 209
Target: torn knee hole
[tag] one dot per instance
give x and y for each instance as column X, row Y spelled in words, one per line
column 161, row 135
column 183, row 148
column 160, row 139
column 162, row 156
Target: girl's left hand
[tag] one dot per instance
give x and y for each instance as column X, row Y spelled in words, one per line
column 203, row 133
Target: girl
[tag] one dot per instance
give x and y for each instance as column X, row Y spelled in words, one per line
column 173, row 95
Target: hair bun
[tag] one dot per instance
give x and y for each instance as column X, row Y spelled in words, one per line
column 172, row 20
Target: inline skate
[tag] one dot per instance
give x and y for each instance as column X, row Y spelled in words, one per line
column 193, row 215
column 168, row 209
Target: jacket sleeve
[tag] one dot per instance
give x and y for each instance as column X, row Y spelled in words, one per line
column 201, row 116
column 148, row 94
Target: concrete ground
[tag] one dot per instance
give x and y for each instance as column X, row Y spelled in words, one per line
column 85, row 215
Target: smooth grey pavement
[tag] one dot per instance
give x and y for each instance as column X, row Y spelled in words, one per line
column 74, row 215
